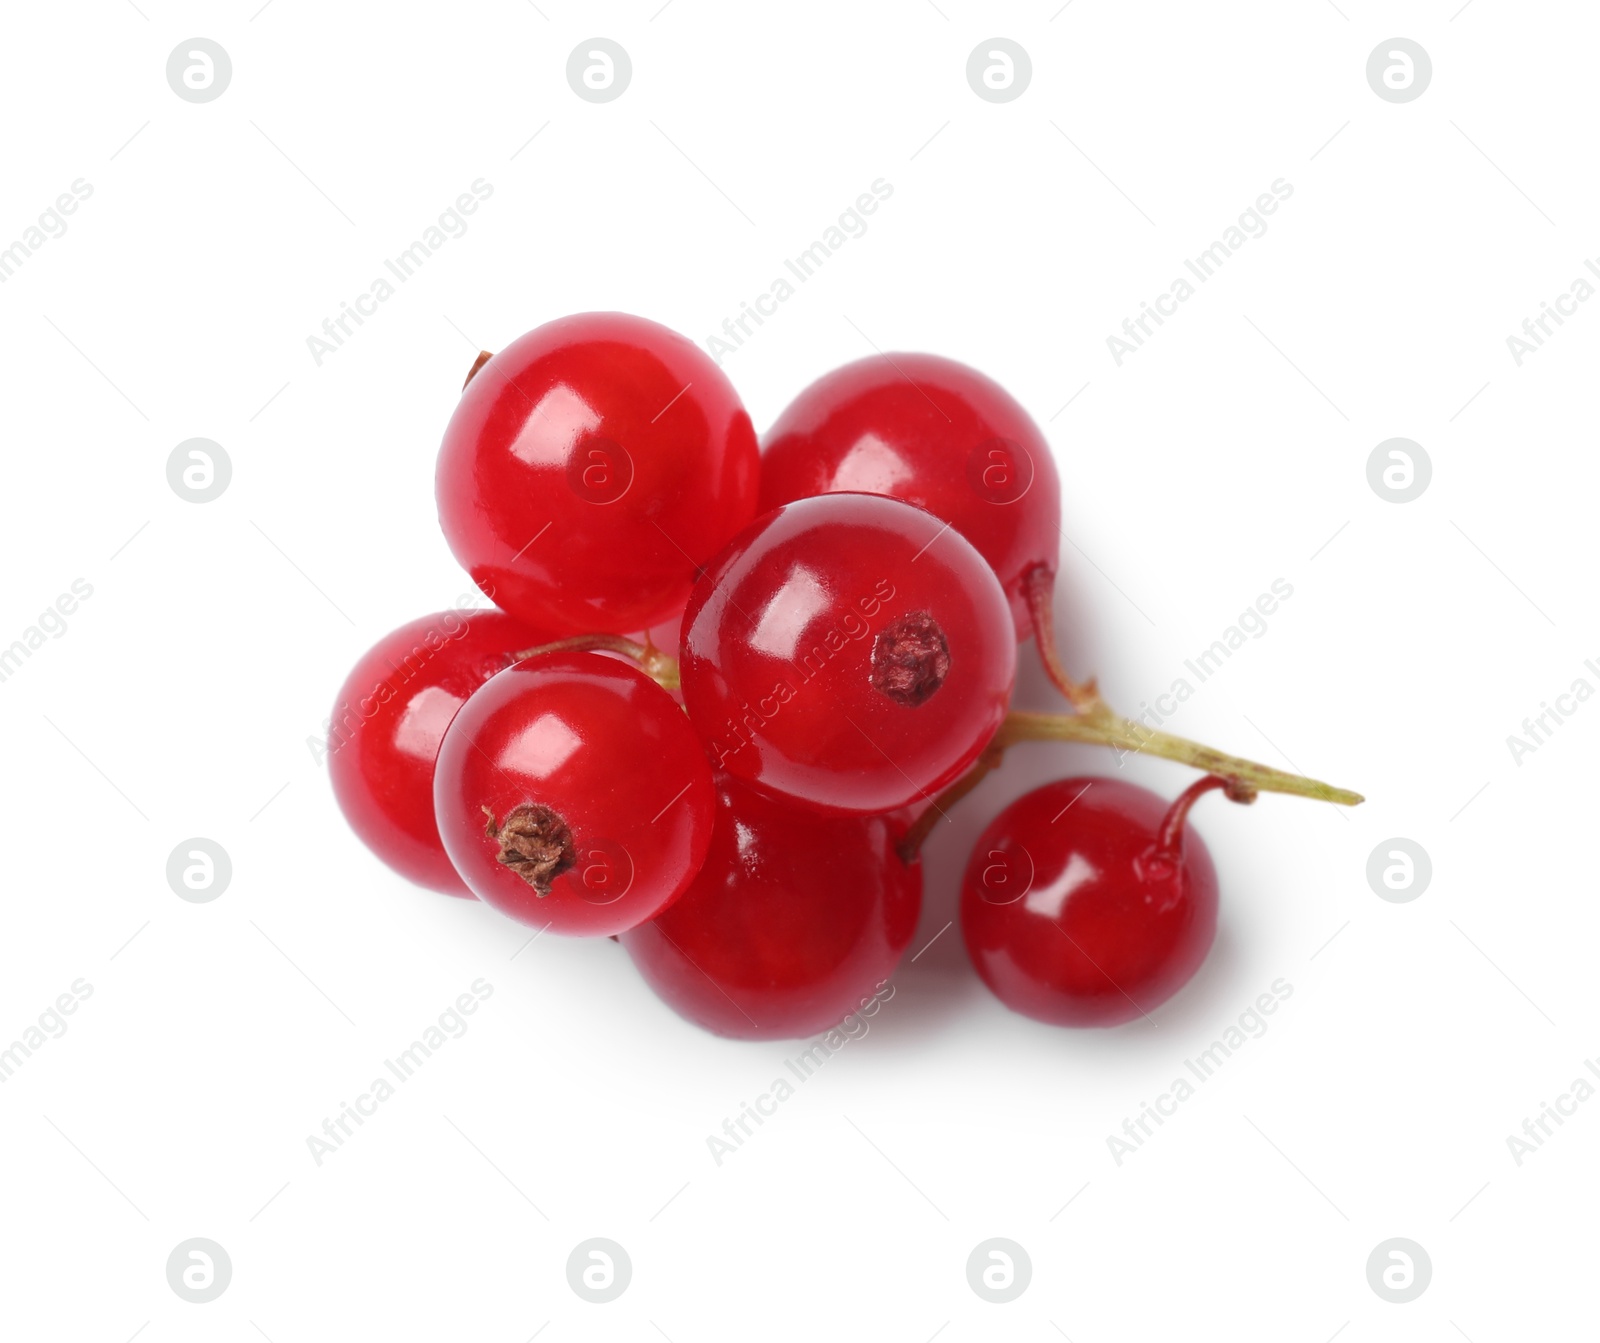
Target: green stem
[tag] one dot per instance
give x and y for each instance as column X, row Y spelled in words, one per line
column 1100, row 726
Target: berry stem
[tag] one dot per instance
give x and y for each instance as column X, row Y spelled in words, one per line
column 910, row 844
column 1242, row 779
column 484, row 356
column 1169, row 843
column 1102, row 727
column 1093, row 720
column 662, row 668
column 1039, row 584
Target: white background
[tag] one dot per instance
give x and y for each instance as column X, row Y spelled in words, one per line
column 1229, row 452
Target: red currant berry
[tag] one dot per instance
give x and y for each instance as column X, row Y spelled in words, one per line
column 590, row 468
column 848, row 651
column 794, row 922
column 572, row 793
column 388, row 722
column 1090, row 902
column 935, row 433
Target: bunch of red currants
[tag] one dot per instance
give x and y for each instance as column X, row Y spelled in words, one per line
column 847, row 604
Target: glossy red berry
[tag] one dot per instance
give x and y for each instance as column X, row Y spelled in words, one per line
column 848, row 651
column 934, row 433
column 387, row 724
column 1089, row 902
column 590, row 468
column 572, row 793
column 795, row 921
